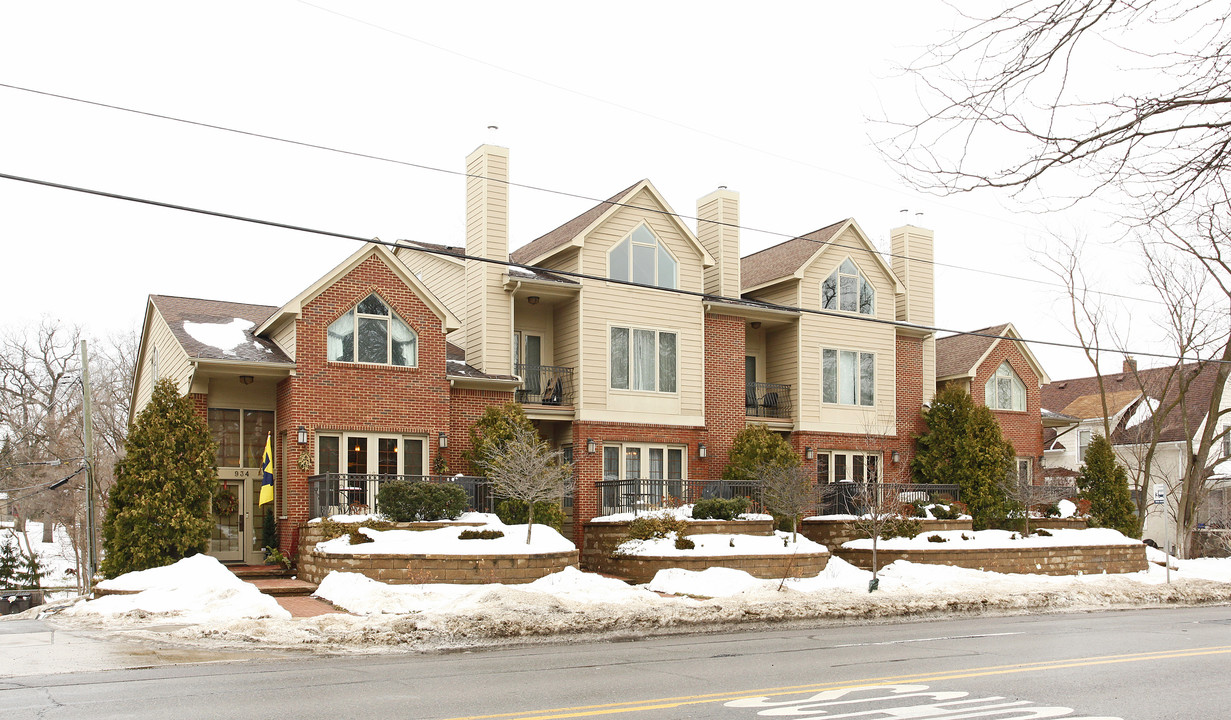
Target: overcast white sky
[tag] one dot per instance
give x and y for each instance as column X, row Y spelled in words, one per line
column 771, row 100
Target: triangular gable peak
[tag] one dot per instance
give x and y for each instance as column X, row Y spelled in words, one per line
column 573, row 233
column 832, row 245
column 291, row 309
column 961, row 370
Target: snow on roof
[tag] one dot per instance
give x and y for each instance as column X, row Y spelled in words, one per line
column 1145, row 410
column 224, row 337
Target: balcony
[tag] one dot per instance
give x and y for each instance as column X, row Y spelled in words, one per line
column 355, row 494
column 549, row 385
column 767, row 400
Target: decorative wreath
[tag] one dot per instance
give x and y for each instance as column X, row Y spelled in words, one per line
column 225, row 503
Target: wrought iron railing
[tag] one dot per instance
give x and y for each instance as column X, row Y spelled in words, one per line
column 348, row 493
column 852, row 498
column 545, row 384
column 767, row 400
column 644, row 494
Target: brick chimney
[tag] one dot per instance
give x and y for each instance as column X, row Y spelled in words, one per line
column 489, row 309
column 718, row 231
column 1130, row 365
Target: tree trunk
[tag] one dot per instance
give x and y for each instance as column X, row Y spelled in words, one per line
column 48, row 529
column 529, row 521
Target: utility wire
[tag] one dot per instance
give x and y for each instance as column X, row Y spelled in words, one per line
column 582, row 276
column 562, row 193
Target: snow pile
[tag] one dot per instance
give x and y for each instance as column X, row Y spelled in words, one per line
column 363, row 596
column 683, row 512
column 224, row 336
column 715, row 544
column 445, row 541
column 198, row 589
column 1068, row 508
column 996, row 539
column 711, row 582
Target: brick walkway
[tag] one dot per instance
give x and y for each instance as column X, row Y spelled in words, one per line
column 302, row 606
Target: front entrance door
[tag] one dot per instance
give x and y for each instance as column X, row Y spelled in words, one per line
column 229, row 538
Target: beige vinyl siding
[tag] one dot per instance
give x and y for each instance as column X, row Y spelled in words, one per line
column 754, row 345
column 785, row 293
column 782, row 346
column 538, row 321
column 609, row 304
column 847, row 332
column 566, row 349
column 172, row 361
column 446, row 279
column 568, row 260
column 284, row 338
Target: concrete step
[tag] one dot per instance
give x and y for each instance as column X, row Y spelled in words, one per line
column 249, row 572
column 283, row 587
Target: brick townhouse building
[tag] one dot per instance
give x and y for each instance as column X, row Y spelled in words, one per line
column 382, row 365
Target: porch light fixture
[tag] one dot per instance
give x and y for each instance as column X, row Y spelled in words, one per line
column 444, row 440
column 809, row 453
column 303, row 435
column 533, row 299
column 246, row 379
column 896, row 457
column 756, row 324
column 590, row 446
column 700, row 450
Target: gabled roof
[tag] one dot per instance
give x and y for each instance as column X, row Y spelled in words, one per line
column 572, row 231
column 961, row 355
column 196, row 324
column 789, row 259
column 292, row 308
column 1080, row 397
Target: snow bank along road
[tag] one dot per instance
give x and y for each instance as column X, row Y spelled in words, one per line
column 1133, row 665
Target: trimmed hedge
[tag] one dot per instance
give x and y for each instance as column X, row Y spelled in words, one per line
column 403, row 501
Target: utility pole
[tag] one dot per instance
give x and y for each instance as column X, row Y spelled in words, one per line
column 88, row 426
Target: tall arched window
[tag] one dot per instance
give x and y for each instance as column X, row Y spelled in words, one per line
column 371, row 333
column 846, row 289
column 1005, row 391
column 642, row 258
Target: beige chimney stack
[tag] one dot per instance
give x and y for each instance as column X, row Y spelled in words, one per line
column 718, row 231
column 489, row 309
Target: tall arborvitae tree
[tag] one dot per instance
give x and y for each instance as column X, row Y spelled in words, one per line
column 159, row 509
column 963, row 445
column 1105, row 484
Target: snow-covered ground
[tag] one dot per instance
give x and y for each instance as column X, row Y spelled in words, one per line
column 445, row 541
column 683, row 512
column 993, row 539
column 56, row 558
column 715, row 544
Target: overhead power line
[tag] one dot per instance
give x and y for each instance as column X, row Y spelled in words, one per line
column 553, row 191
column 581, row 276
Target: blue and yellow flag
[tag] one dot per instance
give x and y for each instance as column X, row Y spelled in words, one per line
column 267, row 472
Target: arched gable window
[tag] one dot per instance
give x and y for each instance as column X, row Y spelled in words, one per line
column 1005, row 391
column 846, row 289
column 371, row 333
column 642, row 258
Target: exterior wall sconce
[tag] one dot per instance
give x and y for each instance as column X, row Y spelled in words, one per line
column 302, row 435
column 533, row 299
column 246, row 379
column 896, row 457
column 809, row 453
column 700, row 450
column 444, row 440
column 590, row 446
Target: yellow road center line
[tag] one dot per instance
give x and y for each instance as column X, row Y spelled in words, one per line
column 672, row 702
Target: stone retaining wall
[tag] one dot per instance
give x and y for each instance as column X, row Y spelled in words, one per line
column 1058, row 524
column 416, row 569
column 602, row 538
column 641, row 569
column 832, row 533
column 1085, row 559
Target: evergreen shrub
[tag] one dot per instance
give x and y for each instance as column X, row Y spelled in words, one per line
column 719, row 509
column 513, row 512
column 404, row 501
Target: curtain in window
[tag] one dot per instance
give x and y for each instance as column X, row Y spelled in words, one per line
column 848, row 376
column 373, row 340
column 619, row 358
column 405, row 344
column 341, row 339
column 867, row 378
column 666, row 362
column 643, row 360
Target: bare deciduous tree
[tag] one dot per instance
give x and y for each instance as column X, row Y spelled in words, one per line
column 877, row 508
column 791, row 491
column 525, row 468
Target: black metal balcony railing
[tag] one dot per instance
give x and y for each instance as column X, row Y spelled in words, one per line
column 642, row 494
column 346, row 493
column 767, row 400
column 545, row 384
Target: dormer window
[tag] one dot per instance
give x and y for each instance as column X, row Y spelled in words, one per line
column 1005, row 391
column 371, row 333
column 846, row 289
column 642, row 258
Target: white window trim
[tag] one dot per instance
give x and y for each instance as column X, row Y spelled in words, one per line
column 657, row 391
column 858, row 378
column 657, row 244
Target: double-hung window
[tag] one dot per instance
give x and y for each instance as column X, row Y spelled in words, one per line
column 371, row 333
column 643, row 359
column 1005, row 390
column 642, row 258
column 848, row 377
column 846, row 289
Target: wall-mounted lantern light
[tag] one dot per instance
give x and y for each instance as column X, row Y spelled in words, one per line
column 896, row 457
column 590, row 446
column 809, row 453
column 700, row 450
column 302, row 435
column 444, row 440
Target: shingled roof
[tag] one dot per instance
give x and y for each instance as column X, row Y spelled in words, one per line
column 1080, row 397
column 190, row 320
column 456, row 365
column 957, row 354
column 785, row 258
column 544, row 244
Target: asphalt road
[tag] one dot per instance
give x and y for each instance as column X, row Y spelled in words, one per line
column 1142, row 664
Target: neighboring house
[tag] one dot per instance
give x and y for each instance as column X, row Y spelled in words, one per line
column 381, row 366
column 996, row 368
column 1132, row 397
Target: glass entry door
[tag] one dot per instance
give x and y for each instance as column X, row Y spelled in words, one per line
column 230, row 534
